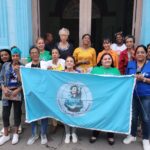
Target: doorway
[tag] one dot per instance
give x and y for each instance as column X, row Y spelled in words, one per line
column 109, row 17
column 55, row 14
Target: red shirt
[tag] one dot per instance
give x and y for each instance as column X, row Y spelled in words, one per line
column 123, row 61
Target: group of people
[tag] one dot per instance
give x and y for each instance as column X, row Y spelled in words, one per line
column 119, row 58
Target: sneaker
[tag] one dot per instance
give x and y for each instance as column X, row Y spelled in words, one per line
column 15, row 139
column 129, row 139
column 32, row 139
column 146, row 145
column 4, row 139
column 67, row 138
column 43, row 139
column 74, row 138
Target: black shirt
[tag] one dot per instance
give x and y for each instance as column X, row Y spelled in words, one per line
column 35, row 65
column 64, row 53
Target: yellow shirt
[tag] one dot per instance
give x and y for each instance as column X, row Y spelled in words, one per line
column 112, row 53
column 85, row 55
column 59, row 66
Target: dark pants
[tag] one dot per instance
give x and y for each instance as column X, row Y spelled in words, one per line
column 96, row 133
column 17, row 113
column 141, row 108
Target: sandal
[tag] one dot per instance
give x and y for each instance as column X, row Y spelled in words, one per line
column 111, row 141
column 93, row 139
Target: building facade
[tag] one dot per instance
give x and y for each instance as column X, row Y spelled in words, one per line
column 22, row 21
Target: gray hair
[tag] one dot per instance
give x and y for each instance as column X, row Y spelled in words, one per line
column 64, row 30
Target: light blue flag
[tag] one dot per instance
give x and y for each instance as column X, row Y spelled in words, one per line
column 79, row 100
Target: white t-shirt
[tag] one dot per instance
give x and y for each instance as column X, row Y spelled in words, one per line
column 43, row 65
column 117, row 48
column 59, row 66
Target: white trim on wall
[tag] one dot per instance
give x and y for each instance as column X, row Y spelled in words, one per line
column 36, row 19
column 85, row 17
column 137, row 20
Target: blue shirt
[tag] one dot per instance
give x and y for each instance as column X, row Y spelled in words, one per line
column 141, row 88
column 8, row 77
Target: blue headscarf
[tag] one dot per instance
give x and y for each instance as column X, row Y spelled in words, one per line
column 16, row 50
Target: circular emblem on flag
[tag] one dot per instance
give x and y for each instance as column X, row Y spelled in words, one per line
column 74, row 99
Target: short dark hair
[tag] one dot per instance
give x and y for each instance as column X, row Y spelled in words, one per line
column 106, row 39
column 130, row 37
column 56, row 49
column 84, row 35
column 34, row 47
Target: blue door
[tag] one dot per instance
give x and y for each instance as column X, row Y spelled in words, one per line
column 145, row 29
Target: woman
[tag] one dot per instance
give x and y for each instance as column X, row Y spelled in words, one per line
column 119, row 46
column 5, row 56
column 141, row 98
column 70, row 131
column 107, row 49
column 148, row 51
column 56, row 63
column 65, row 48
column 128, row 54
column 44, row 55
column 11, row 94
column 36, row 63
column 106, row 68
column 85, row 56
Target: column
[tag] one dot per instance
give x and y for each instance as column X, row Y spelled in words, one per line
column 137, row 20
column 85, row 13
column 35, row 19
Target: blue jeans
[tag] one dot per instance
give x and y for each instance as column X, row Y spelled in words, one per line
column 141, row 108
column 44, row 124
